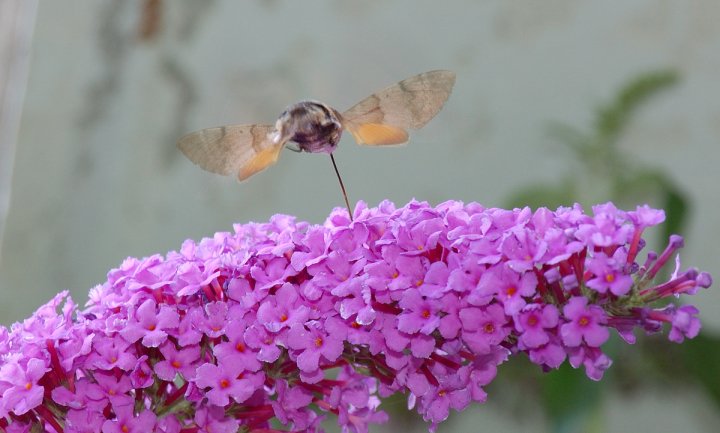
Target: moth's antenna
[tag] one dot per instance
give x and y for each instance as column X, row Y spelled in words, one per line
column 342, row 187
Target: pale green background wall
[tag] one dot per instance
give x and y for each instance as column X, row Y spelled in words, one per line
column 97, row 176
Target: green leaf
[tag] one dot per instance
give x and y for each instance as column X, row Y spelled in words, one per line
column 676, row 210
column 569, row 398
column 612, row 119
column 573, row 138
column 702, row 360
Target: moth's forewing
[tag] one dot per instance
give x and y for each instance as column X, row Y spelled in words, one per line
column 411, row 103
column 239, row 150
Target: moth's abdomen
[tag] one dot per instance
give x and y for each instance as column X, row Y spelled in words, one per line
column 315, row 127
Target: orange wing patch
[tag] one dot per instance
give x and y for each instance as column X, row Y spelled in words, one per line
column 377, row 134
column 259, row 162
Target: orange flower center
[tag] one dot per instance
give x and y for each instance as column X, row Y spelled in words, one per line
column 240, row 347
column 609, row 278
column 532, row 320
column 489, row 328
column 151, row 327
column 176, row 364
column 511, row 291
column 283, row 317
column 318, row 342
column 28, row 386
column 584, row 321
column 224, row 383
column 426, row 314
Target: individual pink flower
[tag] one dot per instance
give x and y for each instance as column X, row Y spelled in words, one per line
column 609, row 273
column 212, row 419
column 127, row 422
column 22, row 392
column 236, row 349
column 585, row 323
column 420, row 315
column 282, row 310
column 312, row 342
column 259, row 338
column 176, row 362
column 484, row 327
column 685, row 324
column 142, row 375
column 111, row 353
column 227, row 381
column 291, row 405
column 84, row 421
column 150, row 325
column 115, row 388
column 534, row 323
column 452, row 392
column 508, row 286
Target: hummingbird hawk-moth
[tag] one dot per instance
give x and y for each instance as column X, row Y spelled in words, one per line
column 381, row 119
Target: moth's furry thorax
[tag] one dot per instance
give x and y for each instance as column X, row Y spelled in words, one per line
column 315, row 127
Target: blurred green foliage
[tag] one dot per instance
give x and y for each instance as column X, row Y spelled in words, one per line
column 598, row 171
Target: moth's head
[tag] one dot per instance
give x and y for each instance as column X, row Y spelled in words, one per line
column 314, row 126
column 278, row 135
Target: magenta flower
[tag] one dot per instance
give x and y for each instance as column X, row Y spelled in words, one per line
column 257, row 337
column 609, row 273
column 87, row 396
column 176, row 362
column 484, row 327
column 21, row 391
column 421, row 315
column 227, row 381
column 535, row 324
column 114, row 388
column 212, row 419
column 291, row 405
column 508, row 286
column 236, row 349
column 149, row 324
column 685, row 324
column 128, row 422
column 312, row 342
column 452, row 391
column 283, row 310
column 286, row 323
column 585, row 323
column 84, row 421
column 109, row 354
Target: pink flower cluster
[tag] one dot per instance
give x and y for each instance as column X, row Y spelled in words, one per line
column 290, row 322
